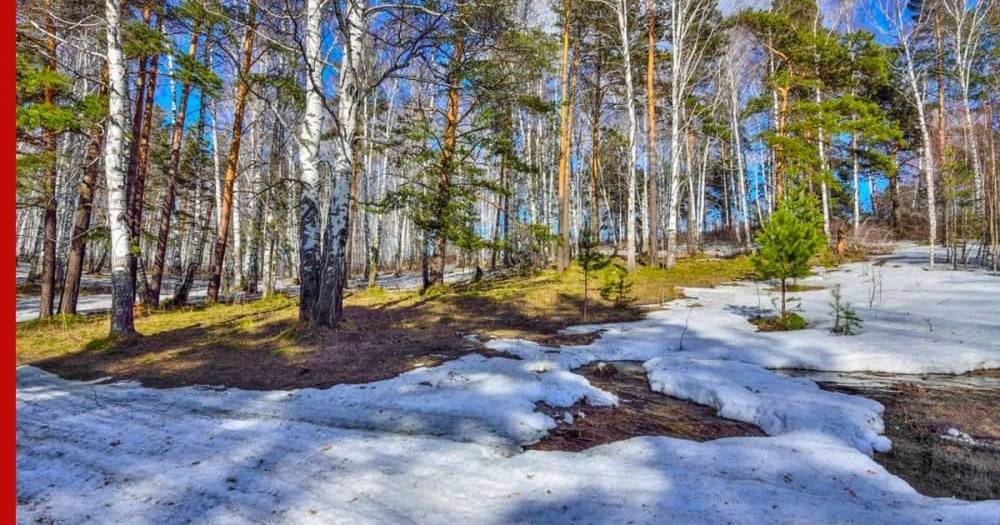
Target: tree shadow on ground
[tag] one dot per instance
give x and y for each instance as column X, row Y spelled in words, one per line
column 270, row 349
column 107, row 453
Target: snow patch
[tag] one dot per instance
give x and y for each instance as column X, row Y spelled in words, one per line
column 777, row 404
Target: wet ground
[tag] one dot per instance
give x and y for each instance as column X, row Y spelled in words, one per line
column 945, row 429
column 641, row 412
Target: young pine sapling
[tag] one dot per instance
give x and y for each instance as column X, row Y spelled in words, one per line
column 845, row 320
column 590, row 260
column 617, row 288
column 789, row 240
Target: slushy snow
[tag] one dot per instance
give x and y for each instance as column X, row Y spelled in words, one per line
column 441, row 445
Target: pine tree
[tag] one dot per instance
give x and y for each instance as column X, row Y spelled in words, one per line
column 845, row 320
column 617, row 288
column 789, row 240
column 590, row 260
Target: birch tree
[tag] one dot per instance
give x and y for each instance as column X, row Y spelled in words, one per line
column 620, row 10
column 328, row 308
column 905, row 29
column 689, row 42
column 309, row 141
column 966, row 30
column 122, row 291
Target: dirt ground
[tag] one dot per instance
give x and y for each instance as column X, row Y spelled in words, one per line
column 262, row 345
column 916, row 418
column 641, row 412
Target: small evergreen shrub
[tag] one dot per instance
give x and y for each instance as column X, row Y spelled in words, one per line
column 617, row 288
column 590, row 260
column 790, row 239
column 785, row 323
column 845, row 320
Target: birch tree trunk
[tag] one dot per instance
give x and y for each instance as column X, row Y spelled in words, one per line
column 966, row 30
column 621, row 8
column 121, row 286
column 309, row 140
column 328, row 308
column 917, row 93
column 734, row 104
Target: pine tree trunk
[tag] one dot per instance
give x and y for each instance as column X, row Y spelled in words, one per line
column 448, row 148
column 232, row 162
column 565, row 139
column 595, row 145
column 855, row 184
column 167, row 206
column 50, row 144
column 81, row 221
column 652, row 173
column 139, row 151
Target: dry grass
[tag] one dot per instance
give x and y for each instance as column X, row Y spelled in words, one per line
column 262, row 345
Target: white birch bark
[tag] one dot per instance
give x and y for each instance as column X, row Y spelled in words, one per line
column 687, row 50
column 966, row 30
column 328, row 309
column 114, row 170
column 741, row 175
column 897, row 15
column 312, row 125
column 621, row 12
column 676, row 114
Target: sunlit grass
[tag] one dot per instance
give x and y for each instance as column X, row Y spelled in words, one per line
column 497, row 306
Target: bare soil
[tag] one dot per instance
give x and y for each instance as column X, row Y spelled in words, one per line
column 641, row 412
column 262, row 345
column 269, row 349
column 917, row 416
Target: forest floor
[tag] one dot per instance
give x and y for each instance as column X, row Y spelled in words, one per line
column 261, row 345
column 945, row 430
column 540, row 428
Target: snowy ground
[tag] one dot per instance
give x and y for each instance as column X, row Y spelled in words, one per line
column 441, row 445
column 27, row 307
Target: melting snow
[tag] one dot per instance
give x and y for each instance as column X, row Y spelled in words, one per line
column 440, row 445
